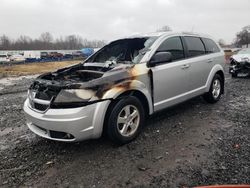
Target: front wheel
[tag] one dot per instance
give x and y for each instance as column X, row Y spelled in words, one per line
column 125, row 120
column 215, row 90
column 234, row 75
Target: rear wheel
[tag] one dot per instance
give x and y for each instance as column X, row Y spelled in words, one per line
column 215, row 90
column 125, row 120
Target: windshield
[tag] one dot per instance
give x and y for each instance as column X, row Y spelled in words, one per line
column 244, row 51
column 124, row 51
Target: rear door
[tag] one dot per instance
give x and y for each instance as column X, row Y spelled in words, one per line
column 170, row 80
column 200, row 64
column 214, row 55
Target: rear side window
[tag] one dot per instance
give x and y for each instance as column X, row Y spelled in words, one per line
column 211, row 46
column 174, row 46
column 195, row 46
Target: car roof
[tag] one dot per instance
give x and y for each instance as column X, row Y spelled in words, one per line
column 168, row 33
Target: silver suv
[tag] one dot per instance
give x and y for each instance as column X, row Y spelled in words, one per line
column 114, row 90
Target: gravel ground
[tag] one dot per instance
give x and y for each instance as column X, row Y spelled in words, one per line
column 192, row 144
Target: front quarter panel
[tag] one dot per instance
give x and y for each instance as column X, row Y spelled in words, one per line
column 134, row 85
column 139, row 80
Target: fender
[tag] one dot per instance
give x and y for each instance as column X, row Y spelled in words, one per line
column 130, row 85
column 114, row 93
column 99, row 116
column 214, row 70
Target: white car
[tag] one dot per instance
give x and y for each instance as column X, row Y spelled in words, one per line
column 17, row 57
column 240, row 63
column 4, row 58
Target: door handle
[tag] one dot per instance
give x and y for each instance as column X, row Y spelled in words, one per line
column 209, row 60
column 186, row 66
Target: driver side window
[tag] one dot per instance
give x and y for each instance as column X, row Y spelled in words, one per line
column 174, row 46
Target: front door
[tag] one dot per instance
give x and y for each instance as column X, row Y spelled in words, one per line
column 170, row 80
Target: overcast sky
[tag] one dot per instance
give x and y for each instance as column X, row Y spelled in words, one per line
column 111, row 19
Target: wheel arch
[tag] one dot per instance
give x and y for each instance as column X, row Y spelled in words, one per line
column 217, row 69
column 139, row 95
column 136, row 93
column 221, row 73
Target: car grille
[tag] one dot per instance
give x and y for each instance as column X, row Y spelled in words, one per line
column 39, row 101
column 41, row 107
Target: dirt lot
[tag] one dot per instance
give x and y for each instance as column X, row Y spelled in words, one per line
column 194, row 143
column 33, row 68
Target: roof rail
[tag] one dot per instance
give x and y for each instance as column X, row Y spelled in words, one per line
column 190, row 33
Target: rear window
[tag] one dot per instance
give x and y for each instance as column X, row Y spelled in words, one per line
column 210, row 45
column 195, row 46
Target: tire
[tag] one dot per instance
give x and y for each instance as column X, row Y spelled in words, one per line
column 234, row 75
column 125, row 120
column 215, row 90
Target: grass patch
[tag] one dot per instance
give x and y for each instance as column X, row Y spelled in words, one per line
column 33, row 68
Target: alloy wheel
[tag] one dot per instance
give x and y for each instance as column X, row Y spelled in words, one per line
column 128, row 120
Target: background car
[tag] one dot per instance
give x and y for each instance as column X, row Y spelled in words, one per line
column 77, row 54
column 44, row 55
column 4, row 58
column 240, row 63
column 17, row 57
column 55, row 55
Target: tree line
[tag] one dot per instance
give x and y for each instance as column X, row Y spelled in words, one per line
column 47, row 42
column 75, row 42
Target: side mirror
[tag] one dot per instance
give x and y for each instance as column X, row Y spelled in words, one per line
column 160, row 57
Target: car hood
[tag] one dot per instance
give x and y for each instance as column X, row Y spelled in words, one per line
column 240, row 57
column 89, row 76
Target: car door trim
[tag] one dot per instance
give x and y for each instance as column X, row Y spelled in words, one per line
column 180, row 96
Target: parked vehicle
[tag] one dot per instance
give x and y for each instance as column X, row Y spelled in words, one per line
column 114, row 90
column 17, row 57
column 68, row 56
column 240, row 63
column 77, row 54
column 32, row 54
column 55, row 55
column 44, row 55
column 87, row 52
column 4, row 58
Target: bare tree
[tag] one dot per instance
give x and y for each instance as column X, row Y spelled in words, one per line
column 4, row 42
column 23, row 42
column 243, row 37
column 74, row 42
column 221, row 42
column 46, row 37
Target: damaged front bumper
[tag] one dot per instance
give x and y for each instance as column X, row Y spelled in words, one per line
column 242, row 67
column 233, row 69
column 68, row 125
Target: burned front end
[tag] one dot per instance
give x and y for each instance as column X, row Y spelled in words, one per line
column 73, row 87
column 239, row 66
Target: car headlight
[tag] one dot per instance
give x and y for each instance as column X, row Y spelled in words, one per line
column 70, row 98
